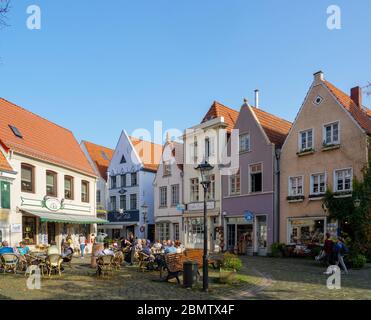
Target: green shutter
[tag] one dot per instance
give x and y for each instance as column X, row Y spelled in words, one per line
column 5, row 194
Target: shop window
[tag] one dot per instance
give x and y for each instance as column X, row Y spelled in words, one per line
column 5, row 194
column 29, row 230
column 306, row 231
column 51, row 184
column 231, row 236
column 84, row 191
column 195, row 231
column 256, row 178
column 68, row 187
column 27, row 178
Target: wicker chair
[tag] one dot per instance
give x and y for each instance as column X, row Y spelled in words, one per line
column 104, row 265
column 118, row 260
column 9, row 262
column 53, row 263
column 68, row 260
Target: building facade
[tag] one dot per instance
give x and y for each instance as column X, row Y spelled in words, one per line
column 250, row 206
column 99, row 158
column 168, row 193
column 53, row 193
column 326, row 148
column 205, row 141
column 130, row 180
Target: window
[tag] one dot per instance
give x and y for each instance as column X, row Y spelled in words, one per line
column 27, row 178
column 306, row 231
column 112, row 203
column 194, row 150
column 163, row 196
column 5, row 195
column 318, row 100
column 343, row 180
column 211, row 191
column 123, row 160
column 296, row 186
column 306, row 140
column 244, row 142
column 318, row 183
column 235, row 183
column 15, row 131
column 256, row 178
column 113, row 182
column 29, row 230
column 84, row 191
column 163, row 231
column 331, row 133
column 123, row 180
column 134, row 181
column 68, row 187
column 98, row 197
column 167, row 168
column 123, row 202
column 133, row 202
column 194, row 190
column 174, row 195
column 51, row 183
column 176, row 231
column 195, row 231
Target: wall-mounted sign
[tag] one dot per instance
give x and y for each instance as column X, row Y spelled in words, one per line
column 249, row 217
column 180, row 207
column 199, row 206
column 16, row 228
column 52, row 204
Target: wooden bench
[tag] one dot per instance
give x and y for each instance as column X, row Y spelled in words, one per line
column 197, row 256
column 174, row 265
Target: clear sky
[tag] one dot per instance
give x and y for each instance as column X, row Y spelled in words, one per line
column 97, row 67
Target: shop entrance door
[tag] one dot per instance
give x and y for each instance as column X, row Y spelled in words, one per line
column 245, row 239
column 261, row 235
column 51, row 232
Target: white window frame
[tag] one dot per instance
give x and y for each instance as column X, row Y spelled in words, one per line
column 211, row 190
column 324, row 136
column 351, row 180
column 163, row 196
column 300, row 139
column 194, row 196
column 240, row 145
column 290, row 186
column 249, row 178
column 230, row 183
column 312, row 183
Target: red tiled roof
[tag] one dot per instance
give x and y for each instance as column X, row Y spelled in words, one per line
column 150, row 153
column 275, row 128
column 4, row 164
column 41, row 139
column 218, row 110
column 97, row 153
column 361, row 115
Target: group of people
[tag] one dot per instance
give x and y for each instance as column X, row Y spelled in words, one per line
column 19, row 251
column 333, row 252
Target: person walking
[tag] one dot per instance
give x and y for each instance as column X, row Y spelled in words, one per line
column 82, row 241
column 340, row 251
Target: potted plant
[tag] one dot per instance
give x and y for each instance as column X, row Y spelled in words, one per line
column 230, row 265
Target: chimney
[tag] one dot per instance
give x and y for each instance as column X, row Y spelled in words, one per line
column 318, row 76
column 256, row 98
column 356, row 95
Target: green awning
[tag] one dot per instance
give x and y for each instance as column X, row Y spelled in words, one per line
column 65, row 218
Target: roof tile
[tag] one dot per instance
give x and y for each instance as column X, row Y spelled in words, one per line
column 218, row 110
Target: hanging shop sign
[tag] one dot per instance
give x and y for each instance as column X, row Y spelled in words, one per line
column 249, row 217
column 52, row 204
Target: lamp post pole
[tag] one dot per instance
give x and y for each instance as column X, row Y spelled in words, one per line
column 205, row 270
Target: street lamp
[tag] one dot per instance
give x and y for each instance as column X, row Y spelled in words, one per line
column 204, row 170
column 144, row 212
column 357, row 203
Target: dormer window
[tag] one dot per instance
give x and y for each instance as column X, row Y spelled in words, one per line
column 15, row 131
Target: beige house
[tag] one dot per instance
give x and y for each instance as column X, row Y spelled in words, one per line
column 327, row 147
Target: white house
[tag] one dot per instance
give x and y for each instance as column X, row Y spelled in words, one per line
column 204, row 142
column 53, row 192
column 130, row 177
column 169, row 193
column 99, row 158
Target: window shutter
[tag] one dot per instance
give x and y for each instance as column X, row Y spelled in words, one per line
column 5, row 194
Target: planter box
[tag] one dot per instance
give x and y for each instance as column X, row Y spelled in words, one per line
column 227, row 276
column 331, row 147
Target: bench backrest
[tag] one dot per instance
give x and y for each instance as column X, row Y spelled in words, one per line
column 195, row 255
column 174, row 261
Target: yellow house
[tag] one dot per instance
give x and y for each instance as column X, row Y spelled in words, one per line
column 327, row 146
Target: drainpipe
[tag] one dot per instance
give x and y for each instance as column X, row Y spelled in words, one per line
column 277, row 196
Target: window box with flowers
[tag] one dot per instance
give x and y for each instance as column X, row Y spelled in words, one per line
column 298, row 198
column 305, row 152
column 342, row 194
column 330, row 146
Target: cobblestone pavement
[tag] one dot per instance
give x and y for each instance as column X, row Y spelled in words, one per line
column 261, row 278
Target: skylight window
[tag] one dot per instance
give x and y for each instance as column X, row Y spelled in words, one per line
column 104, row 155
column 16, row 132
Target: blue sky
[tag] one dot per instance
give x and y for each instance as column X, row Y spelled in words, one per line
column 97, row 67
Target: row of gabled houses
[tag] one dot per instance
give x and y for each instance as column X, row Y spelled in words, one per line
column 268, row 179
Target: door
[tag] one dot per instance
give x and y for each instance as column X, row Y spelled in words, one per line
column 231, row 234
column 151, row 232
column 51, row 232
column 245, row 239
column 261, row 235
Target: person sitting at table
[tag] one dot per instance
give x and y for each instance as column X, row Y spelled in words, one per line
column 146, row 248
column 66, row 251
column 53, row 249
column 170, row 247
column 23, row 248
column 5, row 248
column 106, row 251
